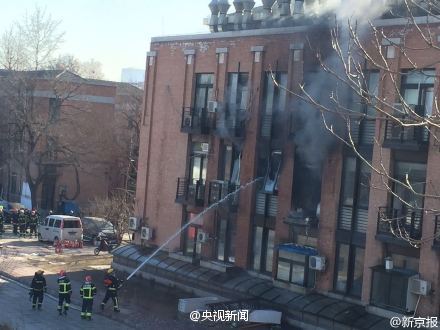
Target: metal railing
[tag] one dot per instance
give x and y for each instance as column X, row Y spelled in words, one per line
column 232, row 124
column 400, row 223
column 190, row 192
column 436, row 241
column 397, row 133
column 219, row 189
column 195, row 121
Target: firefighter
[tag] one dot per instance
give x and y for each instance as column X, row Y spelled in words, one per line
column 14, row 221
column 113, row 284
column 64, row 292
column 22, row 223
column 33, row 222
column 38, row 288
column 87, row 292
column 2, row 219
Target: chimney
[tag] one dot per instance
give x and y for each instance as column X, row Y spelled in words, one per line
column 298, row 8
column 213, row 21
column 247, row 14
column 267, row 8
column 284, row 6
column 238, row 4
column 223, row 6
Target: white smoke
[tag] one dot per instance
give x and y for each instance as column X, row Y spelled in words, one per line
column 360, row 10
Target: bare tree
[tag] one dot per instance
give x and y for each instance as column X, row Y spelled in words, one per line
column 90, row 69
column 384, row 74
column 41, row 38
column 117, row 208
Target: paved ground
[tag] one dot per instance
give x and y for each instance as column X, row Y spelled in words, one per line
column 144, row 305
column 16, row 312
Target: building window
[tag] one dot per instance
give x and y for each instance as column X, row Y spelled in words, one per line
column 197, row 171
column 418, row 90
column 293, row 266
column 203, row 94
column 191, row 247
column 226, row 231
column 230, row 165
column 349, row 269
column 273, row 172
column 353, row 209
column 274, row 101
column 54, row 109
column 390, row 289
column 263, row 249
column 363, row 130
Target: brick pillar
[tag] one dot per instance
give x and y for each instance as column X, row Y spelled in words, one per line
column 243, row 247
column 209, row 221
column 144, row 153
column 330, row 192
column 429, row 267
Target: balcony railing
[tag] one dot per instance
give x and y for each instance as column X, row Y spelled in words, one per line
column 231, row 125
column 401, row 224
column 196, row 121
column 191, row 192
column 405, row 137
column 219, row 189
column 436, row 242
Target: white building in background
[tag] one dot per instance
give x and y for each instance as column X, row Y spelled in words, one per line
column 133, row 76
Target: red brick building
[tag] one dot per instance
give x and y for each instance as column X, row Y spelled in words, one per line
column 88, row 119
column 214, row 120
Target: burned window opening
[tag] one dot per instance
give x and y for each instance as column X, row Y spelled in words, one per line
column 273, row 172
column 306, row 190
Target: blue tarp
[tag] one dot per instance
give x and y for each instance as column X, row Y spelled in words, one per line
column 298, row 249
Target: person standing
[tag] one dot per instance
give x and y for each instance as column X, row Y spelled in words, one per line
column 113, row 284
column 38, row 288
column 14, row 220
column 22, row 223
column 64, row 293
column 87, row 292
column 33, row 221
column 2, row 220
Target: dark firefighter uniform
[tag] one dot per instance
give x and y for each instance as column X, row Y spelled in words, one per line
column 22, row 221
column 38, row 287
column 2, row 220
column 14, row 222
column 33, row 221
column 112, row 284
column 87, row 292
column 64, row 293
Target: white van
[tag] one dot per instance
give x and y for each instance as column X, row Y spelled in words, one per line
column 60, row 227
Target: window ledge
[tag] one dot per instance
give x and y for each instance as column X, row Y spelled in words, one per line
column 218, row 265
column 292, row 287
column 340, row 296
column 383, row 312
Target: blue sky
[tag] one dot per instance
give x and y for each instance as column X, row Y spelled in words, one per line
column 115, row 32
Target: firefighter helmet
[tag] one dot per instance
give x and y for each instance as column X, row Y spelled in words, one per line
column 40, row 271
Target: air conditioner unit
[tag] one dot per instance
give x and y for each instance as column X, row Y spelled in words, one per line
column 202, row 237
column 212, row 106
column 205, row 147
column 419, row 287
column 317, row 263
column 411, row 298
column 146, row 233
column 187, row 122
column 133, row 223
